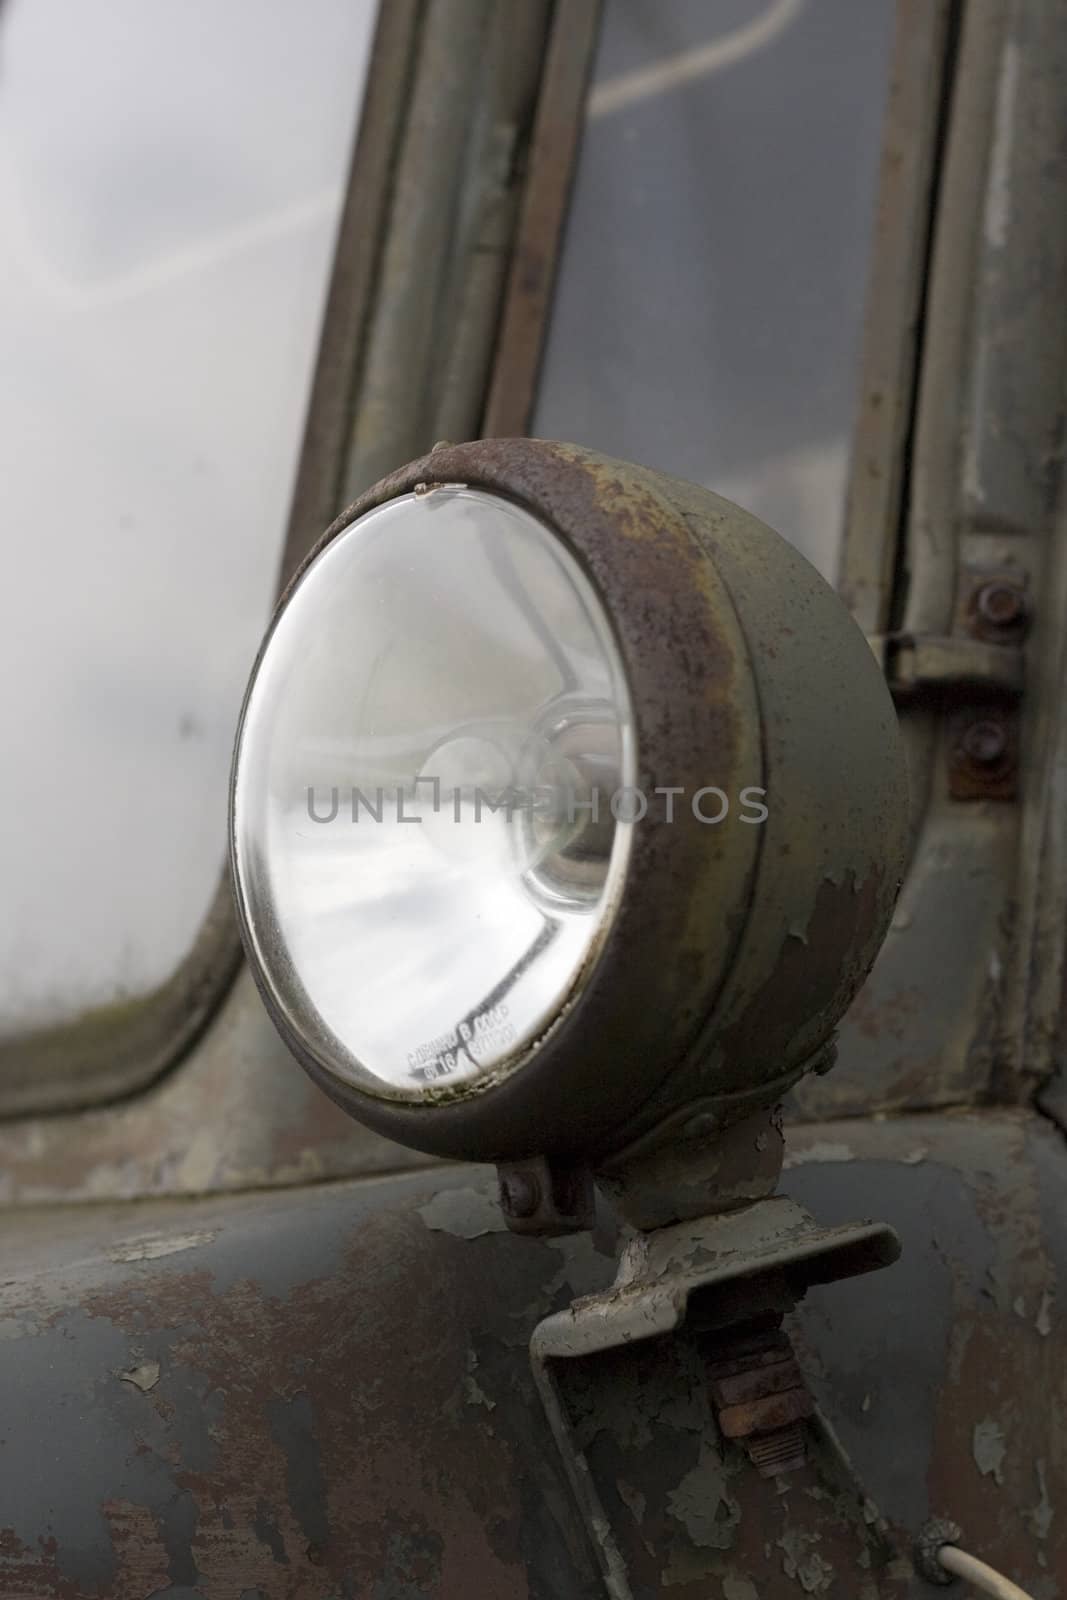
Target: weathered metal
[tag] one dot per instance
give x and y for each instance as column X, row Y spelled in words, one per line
column 356, row 276
column 237, row 1114
column 691, row 1166
column 323, row 1392
column 745, row 673
column 760, row 1397
column 914, row 136
column 984, row 759
column 344, row 1400
column 532, row 271
column 999, row 608
column 964, row 1000
column 544, row 1197
column 939, row 669
column 457, row 183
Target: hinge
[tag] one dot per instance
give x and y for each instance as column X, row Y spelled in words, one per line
column 917, row 664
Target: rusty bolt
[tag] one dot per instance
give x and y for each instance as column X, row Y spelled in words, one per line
column 1000, row 604
column 984, row 742
column 762, row 1401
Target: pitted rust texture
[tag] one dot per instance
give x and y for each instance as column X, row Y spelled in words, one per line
column 741, row 658
column 760, row 1397
column 694, row 703
column 343, row 1406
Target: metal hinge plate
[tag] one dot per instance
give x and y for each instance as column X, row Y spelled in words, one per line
column 915, row 664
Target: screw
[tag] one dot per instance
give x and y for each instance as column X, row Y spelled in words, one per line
column 985, row 743
column 1000, row 604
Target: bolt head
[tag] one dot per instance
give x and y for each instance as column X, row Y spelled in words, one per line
column 985, row 742
column 1000, row 604
column 520, row 1194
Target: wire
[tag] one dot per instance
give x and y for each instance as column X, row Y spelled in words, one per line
column 961, row 1565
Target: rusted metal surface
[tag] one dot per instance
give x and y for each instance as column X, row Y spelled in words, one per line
column 999, row 609
column 545, row 1198
column 684, row 1355
column 692, row 1166
column 682, row 1510
column 532, row 272
column 946, row 1378
column 343, row 1402
column 744, row 671
column 760, row 1397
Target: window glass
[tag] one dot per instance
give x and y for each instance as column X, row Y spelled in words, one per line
column 711, row 294
column 171, row 173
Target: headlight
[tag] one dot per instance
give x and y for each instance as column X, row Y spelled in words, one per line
column 565, row 796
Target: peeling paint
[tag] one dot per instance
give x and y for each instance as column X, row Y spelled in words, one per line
column 466, row 1213
column 702, row 1504
column 472, row 1389
column 152, row 1248
column 989, row 1449
column 802, row 1562
column 143, row 1377
column 1043, row 1323
column 820, row 1151
column 634, row 1501
column 1042, row 1514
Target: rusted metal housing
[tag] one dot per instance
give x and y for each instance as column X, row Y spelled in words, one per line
column 736, row 948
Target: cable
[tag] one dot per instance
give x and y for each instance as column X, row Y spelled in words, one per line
column 961, row 1565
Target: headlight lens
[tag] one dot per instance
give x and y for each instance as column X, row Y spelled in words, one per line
column 425, row 853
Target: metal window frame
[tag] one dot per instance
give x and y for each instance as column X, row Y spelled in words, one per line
column 958, row 482
column 462, row 158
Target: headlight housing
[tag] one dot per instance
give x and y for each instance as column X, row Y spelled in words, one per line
column 459, row 915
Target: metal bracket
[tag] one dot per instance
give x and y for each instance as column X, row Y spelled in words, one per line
column 677, row 1406
column 917, row 663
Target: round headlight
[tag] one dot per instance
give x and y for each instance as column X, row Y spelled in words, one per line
column 565, row 796
column 427, row 883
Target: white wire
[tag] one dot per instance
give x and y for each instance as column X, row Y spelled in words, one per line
column 961, row 1565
